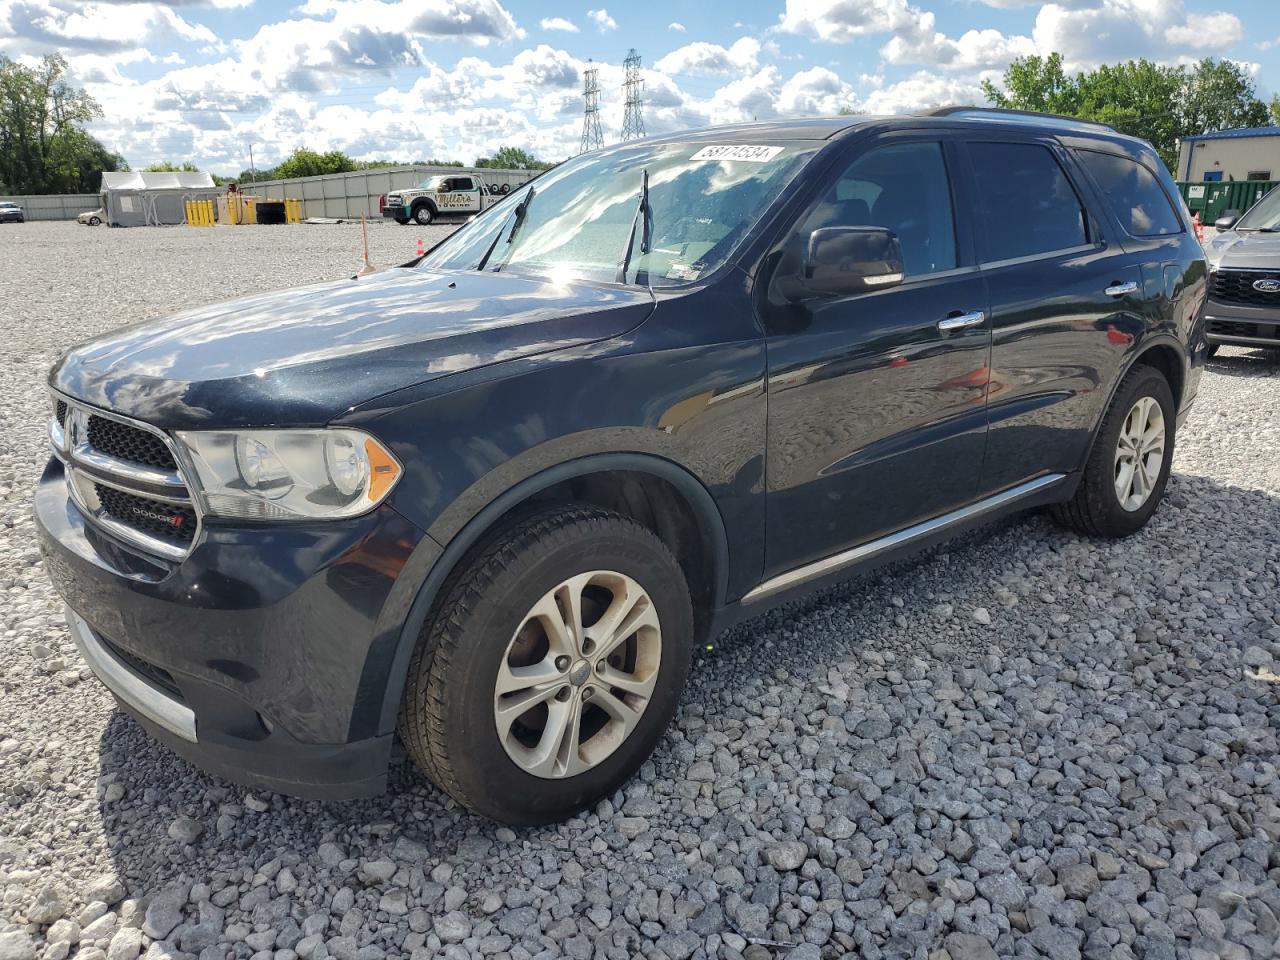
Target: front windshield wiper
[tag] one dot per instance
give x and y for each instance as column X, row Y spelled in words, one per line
column 522, row 211
column 642, row 210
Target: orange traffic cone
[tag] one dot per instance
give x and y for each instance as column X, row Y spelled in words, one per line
column 421, row 250
column 1195, row 220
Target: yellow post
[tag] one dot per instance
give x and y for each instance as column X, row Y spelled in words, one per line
column 186, row 209
column 208, row 213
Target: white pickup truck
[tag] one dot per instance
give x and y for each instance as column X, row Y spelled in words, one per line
column 443, row 195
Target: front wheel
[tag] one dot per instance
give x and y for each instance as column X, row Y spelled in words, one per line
column 402, row 220
column 423, row 215
column 1128, row 468
column 94, row 221
column 554, row 663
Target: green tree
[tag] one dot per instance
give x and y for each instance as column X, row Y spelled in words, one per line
column 1136, row 97
column 44, row 147
column 308, row 163
column 168, row 166
column 1219, row 95
column 512, row 158
column 1274, row 108
column 1035, row 83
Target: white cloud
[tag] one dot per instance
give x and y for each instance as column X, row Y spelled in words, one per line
column 711, row 58
column 973, row 50
column 918, row 92
column 1116, row 30
column 676, row 26
column 839, row 21
column 558, row 23
column 65, row 26
column 603, row 20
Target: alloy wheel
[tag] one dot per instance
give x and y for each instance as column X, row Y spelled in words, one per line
column 1139, row 453
column 578, row 674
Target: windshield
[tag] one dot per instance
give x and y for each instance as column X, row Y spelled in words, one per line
column 431, row 183
column 1263, row 215
column 579, row 220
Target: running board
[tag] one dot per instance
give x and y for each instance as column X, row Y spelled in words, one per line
column 838, row 561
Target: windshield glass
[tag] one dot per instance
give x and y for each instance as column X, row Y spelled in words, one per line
column 1263, row 215
column 703, row 198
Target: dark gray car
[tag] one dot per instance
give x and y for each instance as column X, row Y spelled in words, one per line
column 1244, row 288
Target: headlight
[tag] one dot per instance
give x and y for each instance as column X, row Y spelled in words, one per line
column 290, row 474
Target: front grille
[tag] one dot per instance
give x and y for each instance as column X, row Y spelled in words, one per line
column 60, row 412
column 1241, row 328
column 152, row 517
column 1236, row 286
column 129, row 443
column 156, row 676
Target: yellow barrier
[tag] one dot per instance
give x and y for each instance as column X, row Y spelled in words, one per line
column 200, row 213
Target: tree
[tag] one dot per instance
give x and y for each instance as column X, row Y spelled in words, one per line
column 512, row 158
column 168, row 166
column 308, row 163
column 1275, row 109
column 1157, row 103
column 44, row 147
column 1219, row 95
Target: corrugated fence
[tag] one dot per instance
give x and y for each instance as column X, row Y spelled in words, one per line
column 343, row 195
column 59, row 206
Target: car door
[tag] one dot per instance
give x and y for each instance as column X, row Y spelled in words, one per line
column 1065, row 301
column 875, row 412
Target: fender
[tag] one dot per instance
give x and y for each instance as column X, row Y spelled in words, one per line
column 1147, row 345
column 423, row 201
column 373, row 717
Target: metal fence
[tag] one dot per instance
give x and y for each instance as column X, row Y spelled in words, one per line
column 347, row 195
column 61, row 206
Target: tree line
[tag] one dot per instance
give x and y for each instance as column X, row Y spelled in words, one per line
column 1143, row 99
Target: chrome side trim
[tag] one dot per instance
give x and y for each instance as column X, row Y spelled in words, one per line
column 159, row 708
column 132, row 474
column 838, row 561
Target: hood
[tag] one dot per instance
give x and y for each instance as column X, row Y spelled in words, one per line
column 1235, row 248
column 301, row 357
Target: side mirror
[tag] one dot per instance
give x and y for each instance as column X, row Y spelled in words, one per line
column 847, row 260
column 1228, row 220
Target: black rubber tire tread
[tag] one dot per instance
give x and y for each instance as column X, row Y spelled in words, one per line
column 421, row 724
column 1094, row 510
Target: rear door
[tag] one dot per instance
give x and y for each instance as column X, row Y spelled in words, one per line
column 1066, row 300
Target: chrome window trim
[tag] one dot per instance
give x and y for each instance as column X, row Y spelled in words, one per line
column 1048, row 255
column 83, row 464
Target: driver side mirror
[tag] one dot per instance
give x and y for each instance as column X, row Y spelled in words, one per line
column 1228, row 220
column 839, row 261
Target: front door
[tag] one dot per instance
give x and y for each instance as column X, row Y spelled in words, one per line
column 876, row 402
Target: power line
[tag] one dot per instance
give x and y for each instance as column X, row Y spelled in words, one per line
column 633, row 92
column 592, row 139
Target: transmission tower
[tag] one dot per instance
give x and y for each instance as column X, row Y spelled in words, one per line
column 591, row 136
column 633, row 90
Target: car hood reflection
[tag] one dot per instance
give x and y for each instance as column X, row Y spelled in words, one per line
column 305, row 355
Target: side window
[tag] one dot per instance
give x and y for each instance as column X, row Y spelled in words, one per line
column 463, row 183
column 1025, row 201
column 1134, row 194
column 903, row 187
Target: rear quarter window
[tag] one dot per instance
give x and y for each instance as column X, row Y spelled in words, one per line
column 1133, row 193
column 1026, row 204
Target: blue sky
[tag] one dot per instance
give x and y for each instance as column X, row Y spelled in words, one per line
column 406, row 79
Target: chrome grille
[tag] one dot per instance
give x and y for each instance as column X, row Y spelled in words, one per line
column 1237, row 286
column 124, row 477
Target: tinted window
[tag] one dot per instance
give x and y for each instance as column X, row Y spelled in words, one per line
column 1142, row 208
column 1025, row 201
column 903, row 187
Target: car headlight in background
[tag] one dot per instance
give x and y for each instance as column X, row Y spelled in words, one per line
column 290, row 474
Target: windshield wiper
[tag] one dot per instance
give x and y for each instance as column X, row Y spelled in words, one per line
column 522, row 211
column 642, row 210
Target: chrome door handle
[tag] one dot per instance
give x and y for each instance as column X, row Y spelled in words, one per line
column 1121, row 289
column 959, row 322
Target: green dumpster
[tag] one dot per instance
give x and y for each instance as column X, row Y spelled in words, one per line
column 1211, row 199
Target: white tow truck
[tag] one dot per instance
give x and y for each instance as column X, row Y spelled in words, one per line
column 443, row 195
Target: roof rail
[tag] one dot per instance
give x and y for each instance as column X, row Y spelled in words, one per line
column 997, row 113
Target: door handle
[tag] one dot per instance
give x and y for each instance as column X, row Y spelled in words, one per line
column 1121, row 289
column 961, row 320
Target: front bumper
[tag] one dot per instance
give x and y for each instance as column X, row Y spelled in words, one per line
column 1228, row 323
column 390, row 212
column 249, row 657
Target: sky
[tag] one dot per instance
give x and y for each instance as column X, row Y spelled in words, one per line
column 202, row 80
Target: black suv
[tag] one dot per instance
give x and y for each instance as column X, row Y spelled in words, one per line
column 492, row 500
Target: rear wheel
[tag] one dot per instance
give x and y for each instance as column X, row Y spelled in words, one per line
column 1128, row 468
column 553, row 665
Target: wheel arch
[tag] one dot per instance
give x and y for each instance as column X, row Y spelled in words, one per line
column 1164, row 353
column 655, row 491
column 417, row 202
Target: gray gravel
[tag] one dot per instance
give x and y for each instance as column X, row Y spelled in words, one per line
column 1025, row 744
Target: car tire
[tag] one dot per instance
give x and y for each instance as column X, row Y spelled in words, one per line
column 492, row 738
column 1139, row 425
column 1212, row 351
column 423, row 214
column 94, row 221
column 402, row 220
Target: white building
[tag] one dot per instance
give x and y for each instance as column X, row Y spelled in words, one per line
column 1250, row 153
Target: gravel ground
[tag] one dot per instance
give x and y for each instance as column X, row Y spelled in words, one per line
column 1026, row 744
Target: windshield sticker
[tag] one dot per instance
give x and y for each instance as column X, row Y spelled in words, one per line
column 737, row 151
